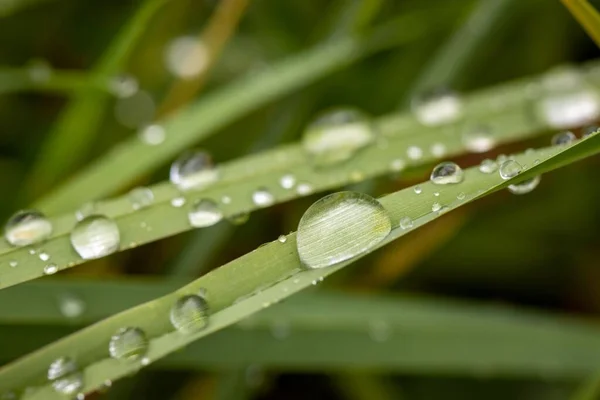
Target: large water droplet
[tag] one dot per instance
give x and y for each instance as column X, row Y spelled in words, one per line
column 437, row 107
column 563, row 138
column 446, row 173
column 526, row 186
column 128, row 344
column 65, row 376
column 510, row 169
column 186, row 57
column 488, row 166
column 27, row 227
column 337, row 136
column 193, row 170
column 339, row 227
column 95, row 236
column 570, row 109
column 478, row 139
column 262, row 197
column 140, row 197
column 204, row 213
column 189, row 314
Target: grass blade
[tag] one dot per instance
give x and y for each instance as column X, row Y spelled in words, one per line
column 587, row 16
column 58, row 81
column 236, row 290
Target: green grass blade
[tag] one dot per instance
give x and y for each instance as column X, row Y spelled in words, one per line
column 214, row 111
column 237, row 289
column 9, row 7
column 587, row 16
column 73, row 135
column 239, row 179
column 58, row 81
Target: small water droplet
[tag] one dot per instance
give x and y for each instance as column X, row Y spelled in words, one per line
column 563, row 138
column 186, row 57
column 287, row 181
column 262, row 197
column 145, row 361
column 27, row 227
column 13, row 263
column 71, row 306
column 339, row 227
column 526, row 186
column 123, row 86
column 418, row 189
column 397, row 165
column 406, row 223
column 414, row 152
column 589, row 130
column 204, row 213
column 178, row 202
column 44, row 256
column 337, row 135
column 32, row 252
column 436, row 194
column 461, row 196
column 50, row 269
column 446, row 173
column 438, row 150
column 435, row 207
column 128, row 344
column 510, row 169
column 478, row 139
column 152, row 135
column 239, row 218
column 193, row 170
column 304, row 189
column 282, row 238
column 488, row 166
column 189, row 314
column 437, row 107
column 226, row 200
column 65, row 376
column 140, row 197
column 95, row 236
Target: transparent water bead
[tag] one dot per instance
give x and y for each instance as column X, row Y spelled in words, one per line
column 488, row 166
column 189, row 314
column 128, row 344
column 204, row 213
column 337, row 135
column 570, row 109
column 95, row 236
column 193, row 170
column 437, row 107
column 140, row 197
column 304, row 189
column 478, row 139
column 510, row 169
column 339, row 227
column 287, row 181
column 589, row 130
column 526, row 186
column 418, row 189
column 446, row 173
column 178, row 201
column 435, row 207
column 282, row 239
column 406, row 223
column 186, row 57
column 27, row 227
column 152, row 135
column 262, row 197
column 50, row 269
column 414, row 152
column 563, row 138
column 65, row 376
column 123, row 85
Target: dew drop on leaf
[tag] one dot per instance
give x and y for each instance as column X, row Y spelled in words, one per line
column 339, row 227
column 27, row 227
column 204, row 213
column 478, row 139
column 128, row 344
column 193, row 170
column 563, row 138
column 152, row 134
column 50, row 269
column 189, row 314
column 406, row 223
column 488, row 166
column 446, row 173
column 95, row 236
column 510, row 169
column 65, row 376
column 414, row 152
column 526, row 186
column 140, row 197
column 287, row 181
column 262, row 197
column 437, row 107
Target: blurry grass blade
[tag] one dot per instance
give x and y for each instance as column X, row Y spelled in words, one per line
column 8, row 7
column 222, row 107
column 354, row 16
column 265, row 277
column 58, row 81
column 587, row 16
column 589, row 390
column 365, row 385
column 74, row 132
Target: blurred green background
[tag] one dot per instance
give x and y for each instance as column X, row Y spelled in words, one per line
column 536, row 251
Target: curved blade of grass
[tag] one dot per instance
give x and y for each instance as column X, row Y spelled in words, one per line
column 73, row 134
column 239, row 179
column 255, row 281
column 587, row 16
column 58, row 81
column 216, row 110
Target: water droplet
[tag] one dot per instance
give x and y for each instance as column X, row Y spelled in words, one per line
column 488, row 166
column 461, row 196
column 436, row 194
column 65, row 376
column 304, row 189
column 438, row 150
column 123, row 86
column 339, row 227
column 437, row 107
column 178, row 202
column 570, row 109
column 50, row 269
column 152, row 135
column 145, row 361
column 406, row 223
column 282, row 238
column 287, row 181
column 262, row 197
column 418, row 189
column 32, row 252
column 563, row 138
column 140, row 197
column 193, row 170
column 27, row 227
column 13, row 263
column 71, row 306
column 239, row 218
column 186, row 57
column 510, row 169
column 435, row 207
column 397, row 165
column 447, row 173
column 44, row 256
column 136, row 110
column 189, row 314
column 95, row 236
column 337, row 135
column 414, row 152
column 526, row 186
column 204, row 213
column 128, row 344
column 80, row 396
column 478, row 139
column 590, row 130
